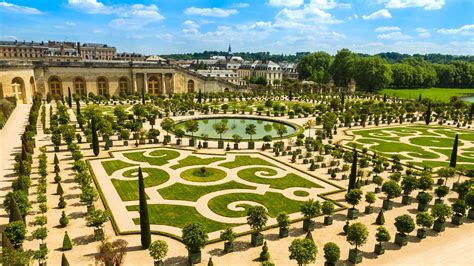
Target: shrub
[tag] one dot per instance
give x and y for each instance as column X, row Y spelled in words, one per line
column 194, row 236
column 158, row 250
column 264, row 255
column 353, row 197
column 257, row 218
column 370, row 198
column 382, row 234
column 64, row 220
column 67, row 245
column 380, row 218
column 328, row 208
column 332, row 252
column 357, row 234
column 424, row 198
column 424, row 219
column 441, row 212
column 303, row 251
column 404, row 224
column 283, row 220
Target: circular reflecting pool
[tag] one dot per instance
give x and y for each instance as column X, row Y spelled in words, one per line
column 237, row 126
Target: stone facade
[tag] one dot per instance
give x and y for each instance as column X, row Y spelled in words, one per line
column 24, row 79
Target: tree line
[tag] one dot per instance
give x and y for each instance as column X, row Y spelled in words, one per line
column 375, row 72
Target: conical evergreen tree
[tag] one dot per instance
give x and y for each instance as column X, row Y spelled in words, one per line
column 95, row 139
column 309, row 236
column 144, row 219
column 56, row 160
column 384, row 97
column 15, row 214
column 59, row 189
column 454, row 153
column 419, row 98
column 22, row 168
column 7, row 245
column 264, row 255
column 380, row 218
column 20, row 184
column 210, row 263
column 69, row 97
column 24, row 155
column 199, row 96
column 428, row 114
column 290, row 95
column 353, row 175
column 67, row 244
column 78, row 107
column 64, row 261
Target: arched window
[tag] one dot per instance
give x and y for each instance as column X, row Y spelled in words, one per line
column 190, row 86
column 55, row 86
column 102, row 87
column 123, row 85
column 226, row 90
column 80, row 86
column 153, row 85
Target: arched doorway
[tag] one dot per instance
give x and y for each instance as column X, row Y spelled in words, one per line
column 102, row 86
column 55, row 87
column 18, row 87
column 226, row 90
column 190, row 86
column 153, row 86
column 169, row 83
column 123, row 86
column 80, row 86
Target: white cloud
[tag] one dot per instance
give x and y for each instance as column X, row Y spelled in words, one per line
column 90, row 6
column 384, row 29
column 261, row 25
column 11, row 37
column 382, row 13
column 328, row 4
column 210, row 12
column 240, row 5
column 307, row 17
column 426, row 4
column 286, row 3
column 190, row 27
column 424, row 35
column 17, row 9
column 464, row 30
column 393, row 36
column 421, row 30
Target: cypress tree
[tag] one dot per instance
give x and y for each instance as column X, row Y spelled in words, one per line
column 20, row 184
column 95, row 139
column 353, row 175
column 419, row 98
column 24, row 155
column 454, row 153
column 144, row 220
column 380, row 218
column 143, row 96
column 69, row 97
column 78, row 107
column 21, row 168
column 56, row 160
column 199, row 96
column 343, row 97
column 428, row 114
column 290, row 96
column 67, row 245
column 64, row 261
column 7, row 245
column 210, row 263
column 384, row 97
column 15, row 214
column 59, row 189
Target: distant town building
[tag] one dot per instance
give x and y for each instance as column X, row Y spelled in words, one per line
column 227, row 75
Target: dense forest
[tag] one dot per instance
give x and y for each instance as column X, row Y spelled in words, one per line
column 391, row 57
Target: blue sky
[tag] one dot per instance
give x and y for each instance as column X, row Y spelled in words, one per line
column 277, row 26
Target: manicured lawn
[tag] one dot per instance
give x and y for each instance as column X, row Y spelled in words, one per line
column 243, row 160
column 273, row 202
column 180, row 191
column 194, row 160
column 128, row 189
column 114, row 165
column 301, row 193
column 178, row 216
column 288, row 181
column 440, row 94
column 208, row 175
column 159, row 157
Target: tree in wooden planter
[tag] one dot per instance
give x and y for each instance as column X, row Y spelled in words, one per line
column 446, row 173
column 96, row 219
column 441, row 212
column 332, row 253
column 353, row 197
column 405, row 225
column 193, row 127
column 16, row 233
column 67, row 244
column 381, row 236
column 112, row 253
column 266, row 139
column 378, row 180
column 357, row 236
column 167, row 125
column 370, row 199
column 158, row 250
column 459, row 208
column 40, row 233
column 283, row 223
column 125, row 135
column 409, row 183
column 328, row 209
column 304, row 251
column 88, row 196
column 41, row 255
column 440, row 192
column 251, row 129
column 469, row 199
column 392, row 190
column 257, row 218
column 424, row 220
column 310, row 209
column 425, row 182
column 237, row 139
column 463, row 188
column 194, row 238
column 228, row 236
column 63, row 220
column 220, row 129
column 424, row 199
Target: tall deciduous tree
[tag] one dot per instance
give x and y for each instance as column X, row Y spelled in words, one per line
column 372, row 73
column 144, row 219
column 342, row 67
column 315, row 67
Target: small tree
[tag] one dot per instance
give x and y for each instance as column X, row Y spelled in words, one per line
column 425, row 220
column 353, row 197
column 228, row 236
column 332, row 253
column 95, row 138
column 380, row 218
column 40, row 234
column 357, row 235
column 328, row 210
column 454, row 153
column 144, row 219
column 283, row 223
column 97, row 218
column 251, row 129
column 381, row 236
column 353, row 174
column 64, row 220
column 112, row 253
column 257, row 218
column 67, row 244
column 303, row 251
column 158, row 250
column 64, row 261
column 370, row 198
column 194, row 237
column 310, row 209
column 440, row 192
column 404, row 225
column 441, row 212
column 16, row 232
column 392, row 189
